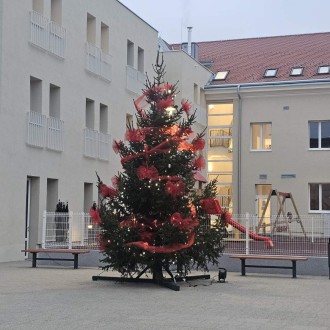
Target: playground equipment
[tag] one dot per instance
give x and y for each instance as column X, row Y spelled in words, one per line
column 212, row 207
column 282, row 217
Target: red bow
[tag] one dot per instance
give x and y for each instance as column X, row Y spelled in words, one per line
column 145, row 172
column 175, row 188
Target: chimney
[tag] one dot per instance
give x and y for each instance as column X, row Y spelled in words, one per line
column 189, row 39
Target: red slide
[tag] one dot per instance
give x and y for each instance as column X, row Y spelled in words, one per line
column 241, row 228
column 212, row 206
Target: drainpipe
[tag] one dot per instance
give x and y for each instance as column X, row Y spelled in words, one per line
column 239, row 185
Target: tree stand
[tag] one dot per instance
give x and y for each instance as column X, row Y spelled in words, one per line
column 157, row 277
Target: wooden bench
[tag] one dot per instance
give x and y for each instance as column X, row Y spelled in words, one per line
column 74, row 252
column 293, row 259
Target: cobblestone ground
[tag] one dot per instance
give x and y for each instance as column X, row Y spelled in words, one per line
column 63, row 298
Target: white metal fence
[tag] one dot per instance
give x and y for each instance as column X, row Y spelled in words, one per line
column 45, row 132
column 69, row 230
column 98, row 62
column 96, row 144
column 135, row 80
column 304, row 236
column 47, row 34
column 309, row 237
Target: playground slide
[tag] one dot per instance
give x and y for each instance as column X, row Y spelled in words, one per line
column 237, row 225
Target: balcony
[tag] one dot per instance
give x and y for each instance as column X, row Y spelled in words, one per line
column 47, row 34
column 135, row 80
column 43, row 132
column 96, row 144
column 98, row 62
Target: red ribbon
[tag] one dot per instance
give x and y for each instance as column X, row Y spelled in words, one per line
column 164, row 248
column 159, row 149
column 106, row 191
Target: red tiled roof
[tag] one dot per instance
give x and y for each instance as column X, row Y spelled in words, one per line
column 247, row 59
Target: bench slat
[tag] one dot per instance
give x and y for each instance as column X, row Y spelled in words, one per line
column 72, row 251
column 268, row 257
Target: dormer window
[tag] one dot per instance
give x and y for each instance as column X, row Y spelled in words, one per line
column 323, row 69
column 296, row 71
column 270, row 73
column 221, row 75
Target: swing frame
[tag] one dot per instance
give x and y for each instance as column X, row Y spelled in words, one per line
column 281, row 211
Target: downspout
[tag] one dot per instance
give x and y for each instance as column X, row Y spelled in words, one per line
column 239, row 185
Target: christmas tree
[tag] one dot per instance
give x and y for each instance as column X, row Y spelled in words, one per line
column 153, row 217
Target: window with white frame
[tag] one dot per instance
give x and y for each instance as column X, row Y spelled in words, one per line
column 261, row 136
column 319, row 197
column 319, row 134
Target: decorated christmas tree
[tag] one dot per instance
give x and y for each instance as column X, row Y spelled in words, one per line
column 152, row 217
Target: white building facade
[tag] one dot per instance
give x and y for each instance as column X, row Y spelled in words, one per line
column 69, row 75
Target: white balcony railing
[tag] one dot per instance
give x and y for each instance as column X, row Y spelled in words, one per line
column 104, row 146
column 135, row 80
column 96, row 144
column 44, row 132
column 55, row 130
column 47, row 34
column 200, row 114
column 36, row 124
column 98, row 62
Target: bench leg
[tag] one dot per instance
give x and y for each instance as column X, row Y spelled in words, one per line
column 34, row 259
column 294, row 268
column 75, row 261
column 243, row 267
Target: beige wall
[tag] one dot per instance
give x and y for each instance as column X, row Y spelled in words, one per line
column 290, row 152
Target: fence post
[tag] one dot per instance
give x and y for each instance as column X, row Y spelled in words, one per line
column 247, row 229
column 44, row 224
column 70, row 228
column 312, row 229
column 82, row 229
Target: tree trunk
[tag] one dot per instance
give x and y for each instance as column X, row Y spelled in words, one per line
column 157, row 269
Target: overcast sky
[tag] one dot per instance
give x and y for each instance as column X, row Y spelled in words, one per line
column 232, row 19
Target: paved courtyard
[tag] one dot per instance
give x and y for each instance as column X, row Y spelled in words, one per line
column 63, row 298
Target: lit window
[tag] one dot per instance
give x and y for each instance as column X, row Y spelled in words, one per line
column 319, row 197
column 296, row 71
column 319, row 134
column 270, row 73
column 221, row 75
column 261, row 136
column 324, row 69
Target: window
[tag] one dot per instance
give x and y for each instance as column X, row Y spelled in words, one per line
column 91, row 29
column 221, row 75
column 90, row 113
column 103, row 118
column 323, row 69
column 319, row 197
column 219, row 153
column 105, row 38
column 319, row 134
column 54, row 101
column 296, row 71
column 140, row 60
column 261, row 136
column 38, row 6
column 130, row 53
column 35, row 94
column 56, row 11
column 270, row 73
